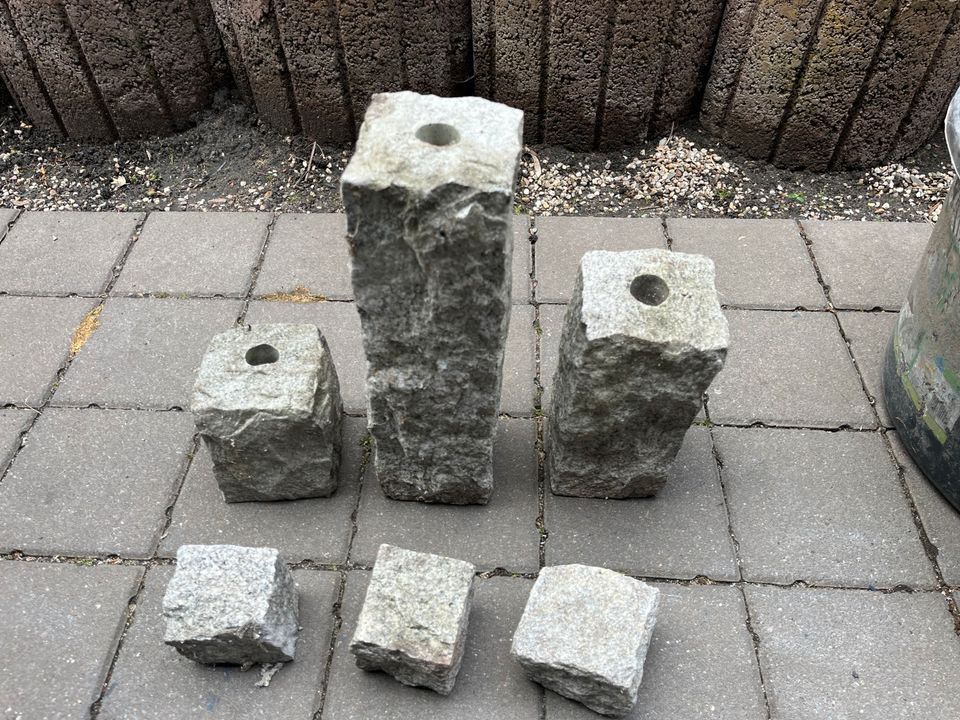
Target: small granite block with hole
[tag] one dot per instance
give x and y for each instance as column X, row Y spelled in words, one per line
column 584, row 634
column 429, row 201
column 230, row 604
column 413, row 624
column 267, row 404
column 642, row 339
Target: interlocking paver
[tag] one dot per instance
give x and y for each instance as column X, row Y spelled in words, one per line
column 522, row 259
column 562, row 241
column 195, row 254
column 316, row 529
column 308, row 251
column 845, row 654
column 500, row 534
column 700, row 664
column 490, row 684
column 146, row 353
column 788, row 369
column 869, row 335
column 59, row 627
column 939, row 518
column 340, row 325
column 36, row 342
column 822, row 507
column 680, row 533
column 152, row 680
column 12, row 424
column 760, row 263
column 867, row 265
column 64, row 252
column 94, row 482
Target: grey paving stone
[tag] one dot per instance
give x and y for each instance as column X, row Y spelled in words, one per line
column 869, row 334
column 519, row 364
column 760, row 263
column 522, row 260
column 152, row 680
column 12, row 424
column 195, row 253
column 309, row 251
column 940, row 520
column 64, row 252
column 340, row 325
column 36, row 342
column 825, row 508
column 562, row 241
column 840, row 654
column 489, row 685
column 788, row 369
column 700, row 665
column 680, row 533
column 59, row 627
column 146, row 353
column 867, row 264
column 316, row 529
column 502, row 533
column 94, row 482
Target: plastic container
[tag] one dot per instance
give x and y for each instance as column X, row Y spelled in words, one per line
column 921, row 375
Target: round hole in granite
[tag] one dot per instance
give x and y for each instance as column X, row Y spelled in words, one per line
column 439, row 134
column 649, row 289
column 262, row 355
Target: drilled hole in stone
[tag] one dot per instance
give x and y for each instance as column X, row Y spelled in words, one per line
column 262, row 355
column 649, row 289
column 438, row 134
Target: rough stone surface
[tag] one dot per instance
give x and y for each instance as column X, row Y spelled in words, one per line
column 267, row 405
column 642, row 340
column 231, row 604
column 149, row 682
column 430, row 233
column 584, row 634
column 838, row 83
column 98, row 69
column 413, row 624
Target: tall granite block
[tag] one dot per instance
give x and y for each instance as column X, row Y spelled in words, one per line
column 429, row 197
column 642, row 339
column 267, row 404
column 413, row 624
column 584, row 634
column 231, row 604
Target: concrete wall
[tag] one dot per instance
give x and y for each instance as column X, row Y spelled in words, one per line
column 832, row 83
column 803, row 83
column 102, row 69
column 594, row 73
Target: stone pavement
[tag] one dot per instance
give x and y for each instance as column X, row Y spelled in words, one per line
column 807, row 569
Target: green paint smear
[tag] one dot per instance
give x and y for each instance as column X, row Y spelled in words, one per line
column 951, row 377
column 911, row 391
column 937, row 431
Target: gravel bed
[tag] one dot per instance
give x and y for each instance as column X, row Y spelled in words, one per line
column 230, row 161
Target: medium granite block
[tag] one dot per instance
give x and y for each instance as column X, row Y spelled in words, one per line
column 413, row 624
column 642, row 340
column 267, row 404
column 231, row 604
column 429, row 199
column 584, row 634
